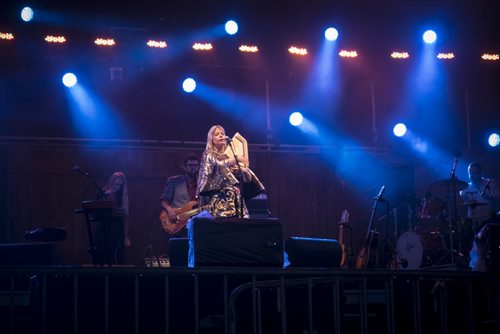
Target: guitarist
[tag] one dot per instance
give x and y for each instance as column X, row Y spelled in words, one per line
column 180, row 189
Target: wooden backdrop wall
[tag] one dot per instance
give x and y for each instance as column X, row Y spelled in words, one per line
column 41, row 189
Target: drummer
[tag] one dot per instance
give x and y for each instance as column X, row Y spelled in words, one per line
column 479, row 196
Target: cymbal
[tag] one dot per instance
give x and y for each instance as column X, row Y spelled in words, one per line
column 474, row 204
column 446, row 186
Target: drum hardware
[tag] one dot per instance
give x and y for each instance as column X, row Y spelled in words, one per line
column 474, row 204
column 448, row 186
column 433, row 212
column 426, row 246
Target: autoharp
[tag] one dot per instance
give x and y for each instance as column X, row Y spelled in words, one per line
column 240, row 148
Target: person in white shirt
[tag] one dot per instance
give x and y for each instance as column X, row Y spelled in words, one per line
column 479, row 196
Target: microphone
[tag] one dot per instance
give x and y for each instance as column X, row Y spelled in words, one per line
column 76, row 168
column 457, row 155
column 455, row 162
column 228, row 139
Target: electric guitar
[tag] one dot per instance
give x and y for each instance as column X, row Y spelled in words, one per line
column 367, row 257
column 182, row 216
column 344, row 219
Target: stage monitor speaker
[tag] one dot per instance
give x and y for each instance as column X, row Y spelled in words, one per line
column 258, row 207
column 25, row 254
column 235, row 242
column 46, row 234
column 178, row 252
column 312, row 252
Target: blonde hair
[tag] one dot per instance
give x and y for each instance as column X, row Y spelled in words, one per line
column 210, row 143
column 124, row 194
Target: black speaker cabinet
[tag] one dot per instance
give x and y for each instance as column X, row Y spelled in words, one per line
column 26, row 254
column 312, row 252
column 235, row 242
column 178, row 252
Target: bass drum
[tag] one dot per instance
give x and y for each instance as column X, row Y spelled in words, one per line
column 420, row 249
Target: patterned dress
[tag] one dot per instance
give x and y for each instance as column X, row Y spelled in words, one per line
column 219, row 187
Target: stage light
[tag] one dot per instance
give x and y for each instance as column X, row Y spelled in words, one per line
column 202, row 46
column 231, row 27
column 6, row 36
column 490, row 57
column 156, row 44
column 69, row 80
column 429, row 37
column 105, row 41
column 248, row 48
column 494, row 140
column 297, row 51
column 445, row 56
column 27, row 14
column 189, row 85
column 399, row 130
column 348, row 54
column 331, row 34
column 400, row 55
column 296, row 118
column 55, row 39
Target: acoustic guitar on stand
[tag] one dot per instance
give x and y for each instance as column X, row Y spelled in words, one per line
column 367, row 257
column 182, row 216
column 344, row 219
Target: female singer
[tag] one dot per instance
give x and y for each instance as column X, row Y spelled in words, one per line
column 220, row 179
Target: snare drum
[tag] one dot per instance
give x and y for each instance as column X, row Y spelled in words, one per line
column 416, row 249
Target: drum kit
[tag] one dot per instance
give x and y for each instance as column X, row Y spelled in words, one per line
column 439, row 237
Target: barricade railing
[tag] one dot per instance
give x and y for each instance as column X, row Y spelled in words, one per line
column 245, row 300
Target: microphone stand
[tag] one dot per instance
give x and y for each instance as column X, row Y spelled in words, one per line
column 240, row 179
column 387, row 247
column 100, row 192
column 450, row 222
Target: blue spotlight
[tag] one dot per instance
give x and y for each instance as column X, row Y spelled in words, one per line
column 429, row 36
column 331, row 34
column 494, row 140
column 189, row 85
column 399, row 130
column 231, row 27
column 27, row 14
column 296, row 118
column 69, row 80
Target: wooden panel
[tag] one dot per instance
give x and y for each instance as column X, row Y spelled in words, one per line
column 43, row 190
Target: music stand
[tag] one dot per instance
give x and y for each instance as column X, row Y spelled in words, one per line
column 98, row 212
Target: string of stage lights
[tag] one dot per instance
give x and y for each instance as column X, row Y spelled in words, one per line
column 244, row 48
column 231, row 28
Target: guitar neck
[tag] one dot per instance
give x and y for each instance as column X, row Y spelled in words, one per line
column 341, row 234
column 374, row 209
column 192, row 212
